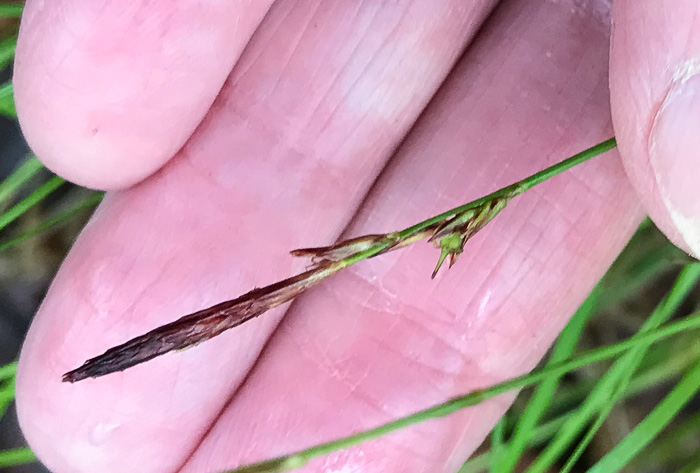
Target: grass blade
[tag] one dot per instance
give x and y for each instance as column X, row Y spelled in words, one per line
column 541, row 398
column 7, row 395
column 670, row 368
column 298, row 459
column 631, row 361
column 539, row 436
column 8, row 371
column 11, row 10
column 652, row 424
column 497, row 443
column 56, row 220
column 34, row 198
column 16, row 456
column 600, row 396
column 674, row 445
column 7, row 51
column 7, row 101
column 647, row 255
column 19, row 176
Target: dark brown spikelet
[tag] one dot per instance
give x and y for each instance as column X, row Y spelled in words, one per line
column 449, row 236
column 200, row 326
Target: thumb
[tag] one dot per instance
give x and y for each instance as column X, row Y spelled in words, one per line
column 655, row 93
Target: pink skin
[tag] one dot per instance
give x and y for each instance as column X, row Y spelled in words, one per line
column 107, row 79
column 655, row 84
column 310, row 115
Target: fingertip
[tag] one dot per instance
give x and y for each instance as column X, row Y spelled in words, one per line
column 655, row 89
column 107, row 92
column 674, row 146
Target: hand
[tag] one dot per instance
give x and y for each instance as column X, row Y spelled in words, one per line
column 297, row 146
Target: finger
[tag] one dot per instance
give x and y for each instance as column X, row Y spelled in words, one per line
column 107, row 91
column 311, row 112
column 381, row 340
column 655, row 88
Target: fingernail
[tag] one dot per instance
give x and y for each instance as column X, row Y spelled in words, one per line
column 674, row 151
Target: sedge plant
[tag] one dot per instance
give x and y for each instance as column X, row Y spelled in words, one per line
column 558, row 419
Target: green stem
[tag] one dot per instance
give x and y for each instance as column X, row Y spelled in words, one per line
column 19, row 176
column 649, row 428
column 544, row 393
column 7, row 51
column 11, row 10
column 519, row 187
column 33, row 199
column 666, row 371
column 604, row 395
column 54, row 221
column 7, row 101
column 672, row 446
column 497, row 443
column 539, row 436
column 16, row 457
column 298, row 459
column 510, row 191
column 7, row 395
column 8, row 371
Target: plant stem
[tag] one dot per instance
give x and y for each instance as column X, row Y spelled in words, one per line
column 34, row 198
column 7, row 102
column 650, row 427
column 8, row 371
column 660, row 374
column 59, row 219
column 510, row 191
column 611, row 386
column 299, row 459
column 449, row 231
column 544, row 393
column 19, row 176
column 11, row 10
column 16, row 457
